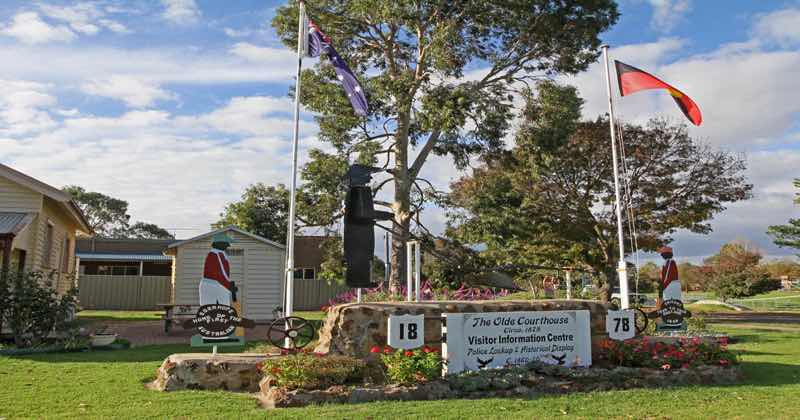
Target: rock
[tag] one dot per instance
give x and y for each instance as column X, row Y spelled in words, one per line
column 232, row 372
column 353, row 329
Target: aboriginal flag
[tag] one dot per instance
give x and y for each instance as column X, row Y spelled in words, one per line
column 632, row 80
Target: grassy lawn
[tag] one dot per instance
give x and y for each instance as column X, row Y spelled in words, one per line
column 120, row 316
column 110, row 384
column 705, row 308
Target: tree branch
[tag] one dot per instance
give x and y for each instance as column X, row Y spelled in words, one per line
column 423, row 154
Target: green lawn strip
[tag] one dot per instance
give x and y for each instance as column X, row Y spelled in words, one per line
column 705, row 308
column 120, row 316
column 110, row 384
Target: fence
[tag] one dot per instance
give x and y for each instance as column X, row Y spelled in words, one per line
column 123, row 292
column 310, row 295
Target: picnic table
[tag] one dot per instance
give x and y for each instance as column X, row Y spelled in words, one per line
column 176, row 313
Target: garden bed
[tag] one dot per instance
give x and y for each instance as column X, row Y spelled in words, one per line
column 520, row 382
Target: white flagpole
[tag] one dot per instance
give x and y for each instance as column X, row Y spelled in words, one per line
column 301, row 47
column 622, row 268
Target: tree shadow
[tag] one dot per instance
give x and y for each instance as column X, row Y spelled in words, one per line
column 769, row 373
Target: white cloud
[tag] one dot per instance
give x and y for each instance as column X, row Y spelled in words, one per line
column 158, row 65
column 29, row 28
column 83, row 17
column 23, row 107
column 668, row 13
column 237, row 33
column 181, row 12
column 134, row 92
column 782, row 27
column 255, row 53
column 114, row 26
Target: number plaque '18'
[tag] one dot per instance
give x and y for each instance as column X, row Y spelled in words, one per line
column 406, row 331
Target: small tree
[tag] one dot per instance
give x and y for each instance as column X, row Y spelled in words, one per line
column 31, row 307
column 734, row 272
column 109, row 218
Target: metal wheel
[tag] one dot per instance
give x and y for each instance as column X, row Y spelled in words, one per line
column 640, row 319
column 297, row 331
column 616, row 303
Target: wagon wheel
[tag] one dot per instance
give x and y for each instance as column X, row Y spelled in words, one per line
column 298, row 331
column 640, row 320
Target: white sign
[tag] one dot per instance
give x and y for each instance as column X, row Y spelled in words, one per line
column 621, row 325
column 473, row 341
column 406, row 331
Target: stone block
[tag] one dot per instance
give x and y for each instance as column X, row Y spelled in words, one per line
column 230, row 371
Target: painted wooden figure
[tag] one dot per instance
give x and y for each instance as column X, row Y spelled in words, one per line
column 216, row 286
column 670, row 284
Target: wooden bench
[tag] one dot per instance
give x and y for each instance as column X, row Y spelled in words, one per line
column 177, row 314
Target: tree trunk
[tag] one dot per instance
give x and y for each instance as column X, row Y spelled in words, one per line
column 402, row 203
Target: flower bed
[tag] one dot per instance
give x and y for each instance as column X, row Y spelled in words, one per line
column 524, row 381
column 681, row 353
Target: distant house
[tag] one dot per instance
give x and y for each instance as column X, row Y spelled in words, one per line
column 307, row 257
column 124, row 257
column 38, row 227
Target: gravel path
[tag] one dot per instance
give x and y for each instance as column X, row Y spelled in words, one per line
column 144, row 333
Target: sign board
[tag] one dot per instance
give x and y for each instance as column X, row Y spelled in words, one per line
column 473, row 341
column 672, row 315
column 215, row 324
column 621, row 325
column 406, row 331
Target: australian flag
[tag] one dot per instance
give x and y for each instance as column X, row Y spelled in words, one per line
column 318, row 44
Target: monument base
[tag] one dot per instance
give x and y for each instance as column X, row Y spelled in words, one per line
column 353, row 329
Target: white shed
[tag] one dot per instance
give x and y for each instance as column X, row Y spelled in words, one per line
column 257, row 267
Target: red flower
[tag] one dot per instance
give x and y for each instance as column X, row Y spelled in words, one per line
column 408, row 353
column 260, row 365
column 375, row 349
column 387, row 350
column 724, row 362
column 666, row 366
column 685, row 366
column 275, row 370
column 426, row 349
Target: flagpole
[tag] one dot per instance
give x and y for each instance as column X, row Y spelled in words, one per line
column 288, row 309
column 622, row 268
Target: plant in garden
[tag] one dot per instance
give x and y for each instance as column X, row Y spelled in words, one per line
column 31, row 308
column 312, row 371
column 685, row 353
column 410, row 366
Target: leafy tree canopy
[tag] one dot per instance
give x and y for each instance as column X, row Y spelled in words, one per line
column 788, row 235
column 263, row 210
column 109, row 218
column 550, row 198
column 440, row 78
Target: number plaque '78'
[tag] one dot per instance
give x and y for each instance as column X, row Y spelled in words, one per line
column 621, row 325
column 406, row 331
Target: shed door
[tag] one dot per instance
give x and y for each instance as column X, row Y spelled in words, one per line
column 236, row 259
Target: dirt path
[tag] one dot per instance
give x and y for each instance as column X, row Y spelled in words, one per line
column 145, row 333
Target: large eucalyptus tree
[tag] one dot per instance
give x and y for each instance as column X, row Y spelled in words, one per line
column 440, row 78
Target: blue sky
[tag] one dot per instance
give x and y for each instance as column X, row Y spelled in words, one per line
column 178, row 105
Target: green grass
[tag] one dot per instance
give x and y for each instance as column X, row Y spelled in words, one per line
column 707, row 307
column 120, row 315
column 110, row 385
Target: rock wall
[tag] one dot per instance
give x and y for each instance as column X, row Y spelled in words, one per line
column 353, row 329
column 231, row 372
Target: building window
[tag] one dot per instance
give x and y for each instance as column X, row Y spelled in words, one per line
column 305, row 273
column 65, row 256
column 118, row 270
column 48, row 246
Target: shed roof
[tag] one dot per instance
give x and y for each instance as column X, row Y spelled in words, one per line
column 227, row 229
column 12, row 223
column 92, row 256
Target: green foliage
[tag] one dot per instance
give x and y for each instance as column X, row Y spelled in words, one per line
column 788, row 235
column 411, row 366
column 109, row 218
column 313, row 371
column 263, row 210
column 549, row 200
column 735, row 272
column 416, row 55
column 31, row 308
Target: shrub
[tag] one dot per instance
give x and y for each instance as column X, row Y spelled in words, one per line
column 31, row 308
column 655, row 354
column 313, row 371
column 409, row 366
